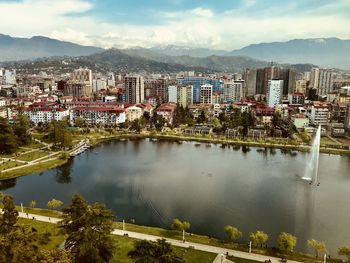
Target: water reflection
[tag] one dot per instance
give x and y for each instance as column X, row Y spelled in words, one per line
column 63, row 173
column 7, row 184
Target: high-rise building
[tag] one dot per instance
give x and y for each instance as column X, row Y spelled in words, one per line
column 325, row 82
column 250, row 81
column 274, row 93
column 10, row 77
column 184, row 95
column 82, row 76
column 134, row 89
column 233, row 91
column 314, row 76
column 197, row 82
column 288, row 76
column 347, row 119
column 300, row 86
column 110, row 79
column 172, row 94
column 206, row 94
column 270, row 73
column 260, row 81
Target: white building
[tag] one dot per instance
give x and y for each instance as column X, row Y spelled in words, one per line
column 325, row 82
column 133, row 113
column 274, row 92
column 345, row 90
column 181, row 94
column 206, row 94
column 233, row 91
column 318, row 115
column 10, row 77
column 98, row 115
column 46, row 115
column 98, row 84
column 172, row 94
column 135, row 89
column 110, row 79
column 314, row 77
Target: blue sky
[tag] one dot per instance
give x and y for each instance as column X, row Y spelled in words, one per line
column 219, row 24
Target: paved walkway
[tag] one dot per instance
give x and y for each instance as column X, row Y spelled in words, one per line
column 178, row 243
column 220, row 258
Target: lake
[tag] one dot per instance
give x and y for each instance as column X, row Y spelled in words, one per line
column 208, row 185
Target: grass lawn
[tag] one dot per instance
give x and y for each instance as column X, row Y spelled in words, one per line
column 343, row 140
column 241, row 260
column 326, row 141
column 9, row 164
column 32, row 169
column 56, row 237
column 125, row 244
column 33, row 156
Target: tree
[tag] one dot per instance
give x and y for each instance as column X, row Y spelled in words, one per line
column 8, row 143
column 286, row 242
column 32, row 204
column 345, row 251
column 232, row 232
column 17, row 244
column 180, row 226
column 79, row 122
column 258, row 238
column 318, row 246
column 8, row 219
column 54, row 203
column 202, row 118
column 55, row 256
column 21, row 130
column 59, row 134
column 88, row 228
column 155, row 252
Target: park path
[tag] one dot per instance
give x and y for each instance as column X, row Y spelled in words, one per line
column 220, row 258
column 178, row 243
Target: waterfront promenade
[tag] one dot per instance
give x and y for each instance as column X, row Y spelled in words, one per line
column 178, row 243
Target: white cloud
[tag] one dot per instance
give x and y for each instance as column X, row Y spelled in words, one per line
column 199, row 27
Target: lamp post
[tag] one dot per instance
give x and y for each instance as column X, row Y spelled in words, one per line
column 250, row 247
column 324, row 258
column 183, row 235
column 22, row 207
column 123, row 225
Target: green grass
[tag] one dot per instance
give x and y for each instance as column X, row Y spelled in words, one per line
column 33, row 156
column 327, row 141
column 32, row 169
column 56, row 237
column 125, row 244
column 9, row 164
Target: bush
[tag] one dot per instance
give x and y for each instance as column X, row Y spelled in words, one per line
column 64, row 156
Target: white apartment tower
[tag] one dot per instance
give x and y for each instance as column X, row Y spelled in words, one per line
column 134, row 89
column 325, row 82
column 315, row 74
column 206, row 94
column 233, row 91
column 274, row 92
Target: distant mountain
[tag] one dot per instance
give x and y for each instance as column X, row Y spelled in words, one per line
column 213, row 62
column 108, row 60
column 173, row 50
column 325, row 52
column 14, row 49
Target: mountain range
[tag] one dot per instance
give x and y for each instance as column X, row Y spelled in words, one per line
column 325, row 52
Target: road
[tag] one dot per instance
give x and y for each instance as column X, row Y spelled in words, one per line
column 178, row 243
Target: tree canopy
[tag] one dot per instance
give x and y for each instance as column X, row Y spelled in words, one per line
column 88, row 228
column 232, row 232
column 156, row 252
column 258, row 238
column 286, row 242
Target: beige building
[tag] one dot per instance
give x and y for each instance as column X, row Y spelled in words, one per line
column 135, row 89
column 133, row 113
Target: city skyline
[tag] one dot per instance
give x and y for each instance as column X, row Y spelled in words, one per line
column 221, row 24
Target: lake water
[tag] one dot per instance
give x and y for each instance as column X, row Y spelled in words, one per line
column 209, row 186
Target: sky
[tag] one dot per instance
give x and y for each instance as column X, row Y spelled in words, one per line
column 214, row 24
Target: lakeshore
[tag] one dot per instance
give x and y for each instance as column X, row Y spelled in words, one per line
column 45, row 163
column 253, row 188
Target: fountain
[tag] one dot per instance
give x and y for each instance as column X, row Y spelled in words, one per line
column 311, row 170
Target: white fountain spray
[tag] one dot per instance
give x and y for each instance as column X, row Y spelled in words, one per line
column 311, row 171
